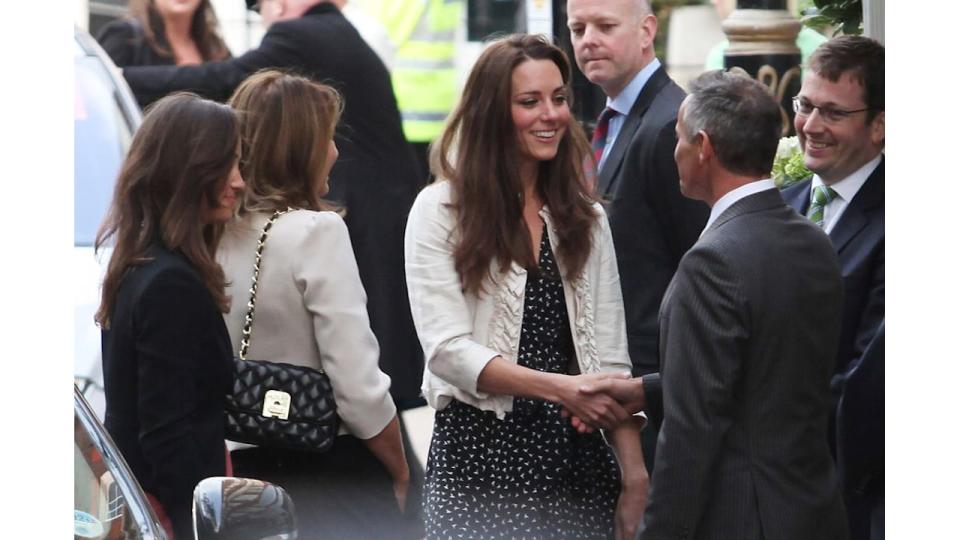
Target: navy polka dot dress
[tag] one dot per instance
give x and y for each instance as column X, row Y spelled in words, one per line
column 530, row 475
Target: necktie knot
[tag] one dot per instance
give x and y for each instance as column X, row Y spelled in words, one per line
column 820, row 197
column 605, row 115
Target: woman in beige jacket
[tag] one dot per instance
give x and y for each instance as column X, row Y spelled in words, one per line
column 311, row 310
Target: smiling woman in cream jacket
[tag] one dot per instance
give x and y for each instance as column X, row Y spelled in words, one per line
column 516, row 299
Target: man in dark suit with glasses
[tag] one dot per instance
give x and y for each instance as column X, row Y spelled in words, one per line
column 840, row 124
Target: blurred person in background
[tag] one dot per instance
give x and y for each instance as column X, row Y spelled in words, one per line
column 516, row 297
column 422, row 64
column 371, row 29
column 311, row 311
column 167, row 361
column 164, row 32
column 376, row 176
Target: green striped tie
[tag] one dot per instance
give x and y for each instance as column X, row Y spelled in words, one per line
column 820, row 197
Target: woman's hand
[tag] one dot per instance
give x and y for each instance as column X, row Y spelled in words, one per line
column 400, row 488
column 598, row 410
column 387, row 446
column 630, row 507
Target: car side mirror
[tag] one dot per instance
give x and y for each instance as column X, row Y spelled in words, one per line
column 242, row 509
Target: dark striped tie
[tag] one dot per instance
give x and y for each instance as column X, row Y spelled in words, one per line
column 600, row 133
column 820, row 197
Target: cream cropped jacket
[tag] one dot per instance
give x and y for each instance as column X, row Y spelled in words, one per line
column 460, row 332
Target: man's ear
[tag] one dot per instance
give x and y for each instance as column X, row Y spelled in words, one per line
column 705, row 151
column 649, row 26
column 878, row 129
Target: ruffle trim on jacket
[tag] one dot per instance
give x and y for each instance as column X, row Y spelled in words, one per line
column 505, row 325
column 584, row 325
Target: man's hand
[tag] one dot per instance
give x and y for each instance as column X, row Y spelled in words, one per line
column 595, row 410
column 626, row 391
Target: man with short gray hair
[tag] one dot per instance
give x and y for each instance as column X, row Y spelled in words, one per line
column 748, row 330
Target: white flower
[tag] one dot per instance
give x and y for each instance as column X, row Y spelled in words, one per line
column 787, row 147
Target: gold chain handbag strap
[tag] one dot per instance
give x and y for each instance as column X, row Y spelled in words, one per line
column 248, row 319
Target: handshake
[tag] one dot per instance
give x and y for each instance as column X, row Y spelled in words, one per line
column 601, row 400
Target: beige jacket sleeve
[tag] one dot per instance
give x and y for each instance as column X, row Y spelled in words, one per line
column 439, row 307
column 326, row 273
column 610, row 322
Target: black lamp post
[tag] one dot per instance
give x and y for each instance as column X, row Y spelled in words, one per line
column 763, row 36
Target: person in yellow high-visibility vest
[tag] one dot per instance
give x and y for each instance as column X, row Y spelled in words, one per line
column 423, row 74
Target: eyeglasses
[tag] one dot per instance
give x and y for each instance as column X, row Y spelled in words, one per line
column 829, row 114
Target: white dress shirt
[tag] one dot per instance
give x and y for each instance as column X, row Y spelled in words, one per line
column 846, row 190
column 735, row 195
column 622, row 104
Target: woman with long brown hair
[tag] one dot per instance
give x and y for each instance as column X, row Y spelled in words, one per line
column 311, row 311
column 164, row 32
column 167, row 363
column 516, row 297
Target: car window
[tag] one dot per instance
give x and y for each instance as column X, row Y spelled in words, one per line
column 100, row 509
column 102, row 135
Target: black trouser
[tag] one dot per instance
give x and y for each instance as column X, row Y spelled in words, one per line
column 345, row 493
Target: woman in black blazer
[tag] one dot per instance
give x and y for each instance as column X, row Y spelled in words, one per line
column 164, row 32
column 167, row 362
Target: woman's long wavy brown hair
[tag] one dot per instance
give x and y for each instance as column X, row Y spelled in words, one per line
column 286, row 124
column 204, row 30
column 177, row 165
column 478, row 154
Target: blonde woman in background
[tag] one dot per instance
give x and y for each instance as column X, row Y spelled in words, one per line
column 164, row 32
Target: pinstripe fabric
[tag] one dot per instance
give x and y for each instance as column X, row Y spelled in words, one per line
column 748, row 330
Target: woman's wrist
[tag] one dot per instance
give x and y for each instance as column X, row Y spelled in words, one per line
column 553, row 387
column 635, row 478
column 401, row 474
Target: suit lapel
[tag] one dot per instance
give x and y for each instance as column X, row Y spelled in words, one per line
column 854, row 218
column 798, row 196
column 631, row 124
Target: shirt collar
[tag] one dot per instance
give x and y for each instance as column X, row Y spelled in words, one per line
column 735, row 195
column 625, row 100
column 848, row 187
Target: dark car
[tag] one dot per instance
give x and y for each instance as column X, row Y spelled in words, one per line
column 109, row 503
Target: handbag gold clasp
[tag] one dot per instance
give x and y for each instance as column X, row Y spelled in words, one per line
column 276, row 404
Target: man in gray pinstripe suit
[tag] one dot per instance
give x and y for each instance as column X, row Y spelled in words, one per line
column 749, row 328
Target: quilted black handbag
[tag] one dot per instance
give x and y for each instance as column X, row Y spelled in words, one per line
column 274, row 404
